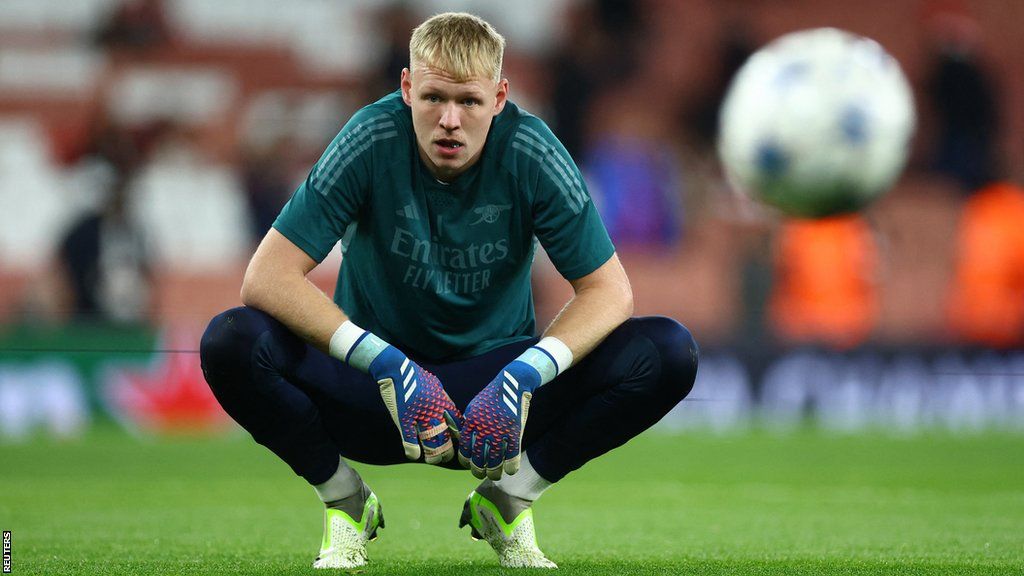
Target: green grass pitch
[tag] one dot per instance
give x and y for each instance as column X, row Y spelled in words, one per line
column 755, row 503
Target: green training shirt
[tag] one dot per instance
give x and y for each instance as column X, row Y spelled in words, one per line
column 442, row 271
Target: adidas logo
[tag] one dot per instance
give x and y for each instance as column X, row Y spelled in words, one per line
column 409, row 211
column 510, row 395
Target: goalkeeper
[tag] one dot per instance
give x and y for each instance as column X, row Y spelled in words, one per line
column 427, row 351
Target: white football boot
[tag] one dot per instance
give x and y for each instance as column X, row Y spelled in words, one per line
column 348, row 525
column 486, row 512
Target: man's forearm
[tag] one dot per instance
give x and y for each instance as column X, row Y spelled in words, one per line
column 590, row 316
column 295, row 302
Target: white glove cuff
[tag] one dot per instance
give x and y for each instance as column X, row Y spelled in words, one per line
column 344, row 340
column 355, row 346
column 550, row 357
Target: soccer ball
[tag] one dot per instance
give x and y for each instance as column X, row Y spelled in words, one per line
column 816, row 123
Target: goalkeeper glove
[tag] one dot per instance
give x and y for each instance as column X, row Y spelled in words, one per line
column 492, row 430
column 415, row 398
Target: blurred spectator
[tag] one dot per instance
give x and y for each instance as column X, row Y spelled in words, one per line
column 395, row 23
column 106, row 263
column 268, row 182
column 986, row 305
column 636, row 185
column 111, row 144
column 192, row 207
column 632, row 165
column 825, row 288
column 965, row 101
column 736, row 45
column 135, row 24
column 601, row 44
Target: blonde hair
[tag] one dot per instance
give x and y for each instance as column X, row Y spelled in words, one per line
column 459, row 44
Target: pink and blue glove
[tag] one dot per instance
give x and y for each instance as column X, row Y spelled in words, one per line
column 492, row 429
column 415, row 398
column 418, row 405
column 491, row 432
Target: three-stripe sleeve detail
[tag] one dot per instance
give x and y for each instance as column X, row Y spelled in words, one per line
column 351, row 146
column 554, row 165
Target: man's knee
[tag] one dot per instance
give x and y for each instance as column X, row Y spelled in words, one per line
column 229, row 344
column 677, row 353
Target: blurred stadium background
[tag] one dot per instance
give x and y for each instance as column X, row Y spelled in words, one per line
column 147, row 145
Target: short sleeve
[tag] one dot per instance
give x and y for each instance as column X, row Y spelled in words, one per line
column 336, row 189
column 565, row 220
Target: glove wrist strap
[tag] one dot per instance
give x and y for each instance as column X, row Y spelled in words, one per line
column 550, row 357
column 355, row 346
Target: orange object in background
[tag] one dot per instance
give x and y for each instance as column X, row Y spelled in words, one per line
column 986, row 304
column 825, row 282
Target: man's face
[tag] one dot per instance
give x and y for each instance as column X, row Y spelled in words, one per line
column 451, row 119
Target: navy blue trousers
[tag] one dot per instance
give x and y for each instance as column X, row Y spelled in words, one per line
column 308, row 408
